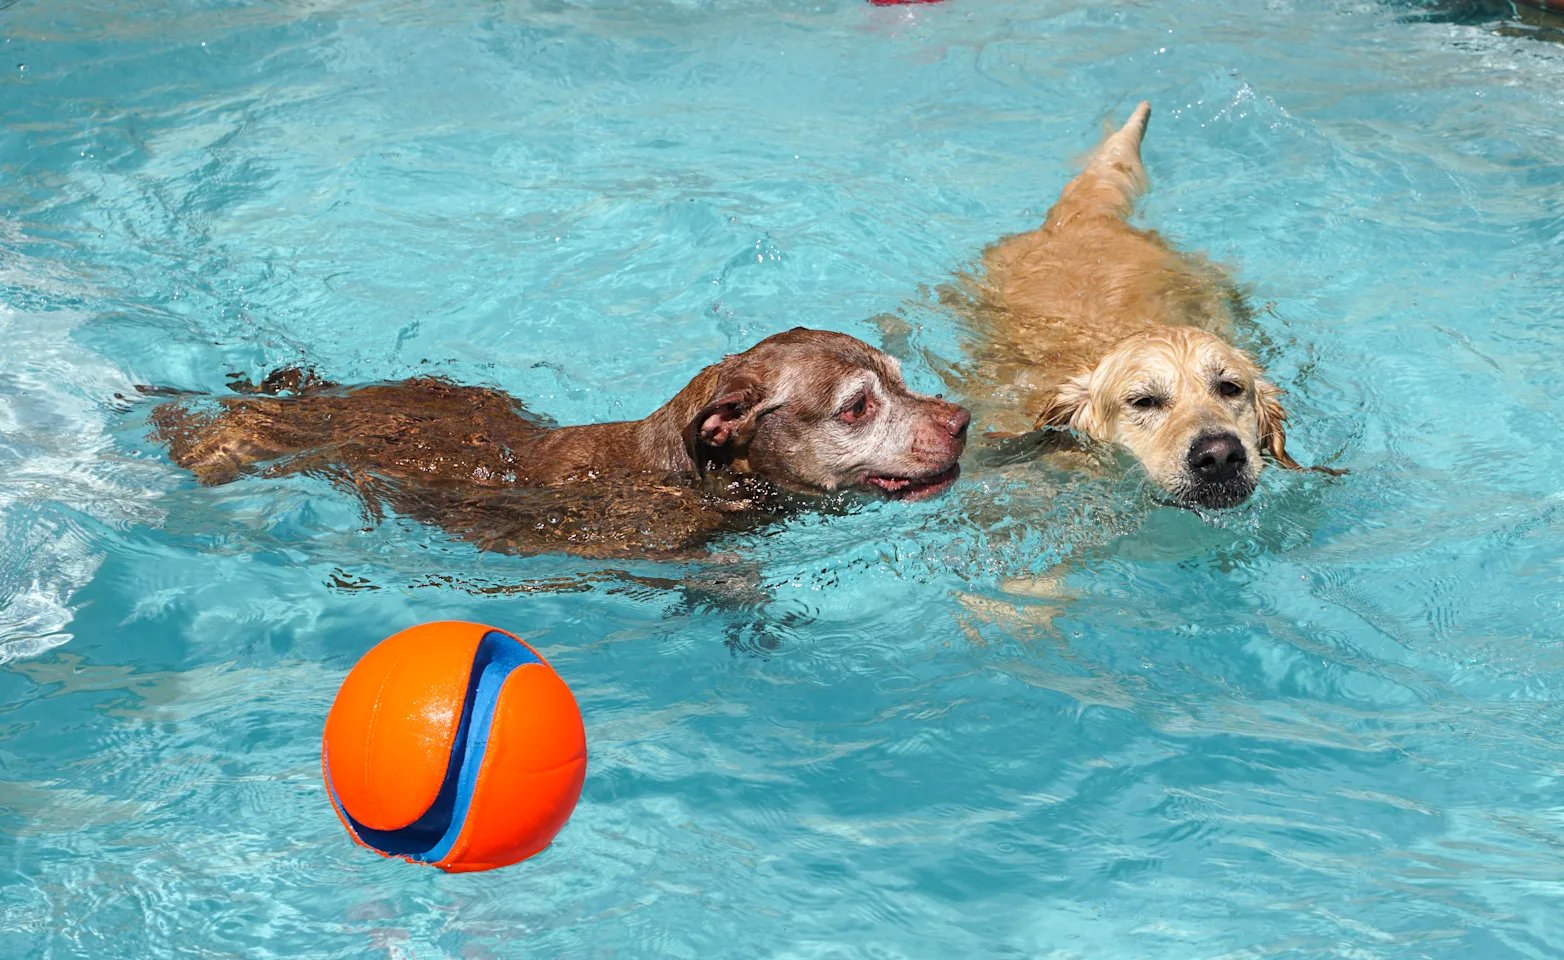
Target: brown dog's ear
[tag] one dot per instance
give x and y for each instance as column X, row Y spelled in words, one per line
column 1070, row 406
column 725, row 424
column 1273, row 439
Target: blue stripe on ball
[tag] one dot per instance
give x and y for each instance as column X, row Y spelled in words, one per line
column 430, row 838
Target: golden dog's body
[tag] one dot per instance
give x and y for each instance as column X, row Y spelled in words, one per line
column 1055, row 300
column 1093, row 324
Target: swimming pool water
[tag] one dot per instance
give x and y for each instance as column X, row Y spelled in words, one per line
column 1324, row 724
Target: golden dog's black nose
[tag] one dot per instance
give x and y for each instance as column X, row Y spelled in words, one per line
column 1217, row 457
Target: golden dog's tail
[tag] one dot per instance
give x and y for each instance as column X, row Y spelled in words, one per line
column 1113, row 179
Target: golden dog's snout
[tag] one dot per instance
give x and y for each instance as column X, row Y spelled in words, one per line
column 1217, row 458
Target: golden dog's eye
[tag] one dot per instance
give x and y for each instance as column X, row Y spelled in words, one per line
column 1146, row 403
column 856, row 410
column 1228, row 388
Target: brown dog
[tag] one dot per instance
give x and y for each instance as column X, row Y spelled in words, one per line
column 1092, row 324
column 802, row 412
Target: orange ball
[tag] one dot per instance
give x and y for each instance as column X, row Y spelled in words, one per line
column 454, row 744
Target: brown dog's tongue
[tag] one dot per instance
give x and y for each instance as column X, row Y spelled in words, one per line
column 888, row 483
column 916, row 488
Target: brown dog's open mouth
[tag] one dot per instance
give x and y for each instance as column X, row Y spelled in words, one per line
column 915, row 488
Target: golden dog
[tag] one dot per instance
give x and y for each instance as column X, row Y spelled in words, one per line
column 1095, row 325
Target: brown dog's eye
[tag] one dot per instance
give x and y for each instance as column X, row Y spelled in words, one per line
column 1146, row 403
column 1228, row 388
column 856, row 410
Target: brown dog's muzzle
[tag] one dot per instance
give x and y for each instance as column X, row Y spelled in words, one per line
column 938, row 438
column 943, row 431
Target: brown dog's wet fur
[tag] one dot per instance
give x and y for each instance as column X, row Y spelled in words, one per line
column 1093, row 324
column 803, row 412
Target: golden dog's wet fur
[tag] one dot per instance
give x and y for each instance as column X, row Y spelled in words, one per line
column 1093, row 324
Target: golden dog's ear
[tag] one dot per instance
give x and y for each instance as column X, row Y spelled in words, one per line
column 1273, row 439
column 1268, row 409
column 1070, row 407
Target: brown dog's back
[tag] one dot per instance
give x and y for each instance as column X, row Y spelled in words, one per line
column 469, row 459
column 424, row 430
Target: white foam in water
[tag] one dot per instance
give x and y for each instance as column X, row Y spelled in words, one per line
column 59, row 472
column 35, row 614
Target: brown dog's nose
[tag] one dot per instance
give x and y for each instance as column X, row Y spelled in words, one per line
column 1217, row 457
column 953, row 420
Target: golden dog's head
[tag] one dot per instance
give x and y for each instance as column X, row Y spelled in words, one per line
column 1192, row 408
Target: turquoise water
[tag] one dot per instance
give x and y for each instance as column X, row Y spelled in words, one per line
column 1324, row 724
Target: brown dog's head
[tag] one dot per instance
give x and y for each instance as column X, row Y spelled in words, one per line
column 818, row 412
column 1192, row 408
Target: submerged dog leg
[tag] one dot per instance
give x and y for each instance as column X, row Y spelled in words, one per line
column 220, row 445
